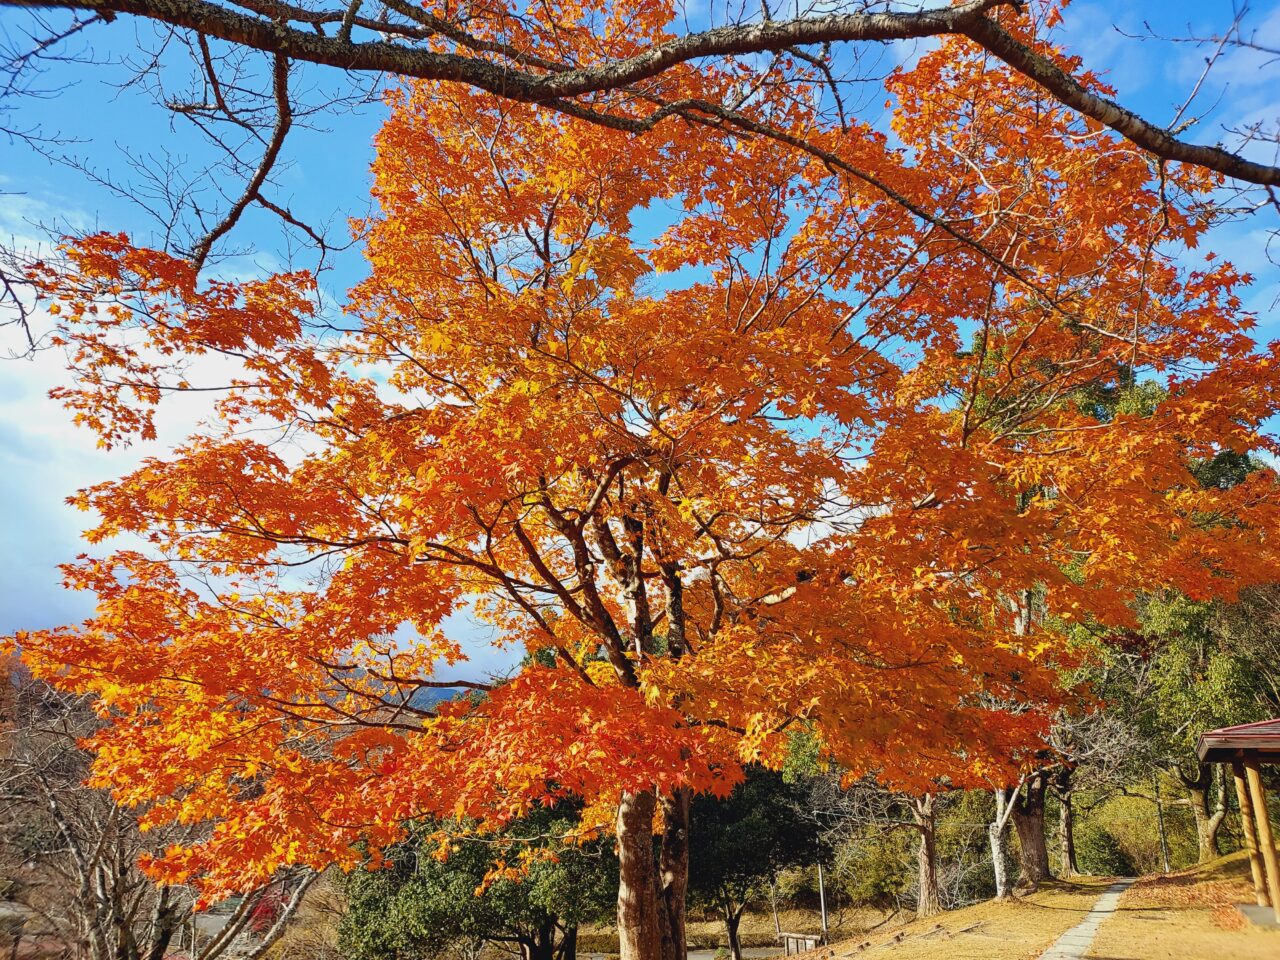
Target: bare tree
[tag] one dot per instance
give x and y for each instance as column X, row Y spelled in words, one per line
column 70, row 852
column 866, row 811
column 1098, row 751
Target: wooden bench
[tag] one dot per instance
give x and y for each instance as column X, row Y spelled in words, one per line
column 799, row 942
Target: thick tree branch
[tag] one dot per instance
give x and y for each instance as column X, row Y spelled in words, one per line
column 1150, row 137
column 273, row 36
column 269, row 31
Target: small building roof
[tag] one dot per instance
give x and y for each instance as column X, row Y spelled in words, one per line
column 1249, row 741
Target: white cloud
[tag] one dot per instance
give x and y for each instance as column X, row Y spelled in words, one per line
column 43, row 460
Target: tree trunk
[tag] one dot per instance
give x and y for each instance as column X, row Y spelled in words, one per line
column 1028, row 821
column 673, row 865
column 568, row 949
column 166, row 917
column 1206, row 827
column 996, row 837
column 546, row 941
column 540, row 944
column 995, row 834
column 928, row 903
column 1064, row 790
column 652, row 889
column 732, row 917
column 1208, row 823
column 640, row 910
column 773, row 905
column 1067, row 837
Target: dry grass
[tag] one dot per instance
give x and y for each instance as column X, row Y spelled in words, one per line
column 706, row 931
column 1187, row 915
column 757, row 929
column 1184, row 916
column 1018, row 929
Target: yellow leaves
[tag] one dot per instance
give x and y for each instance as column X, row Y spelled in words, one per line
column 615, row 264
column 601, row 673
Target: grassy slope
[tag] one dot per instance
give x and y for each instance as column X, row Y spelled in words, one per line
column 1015, row 930
column 1184, row 916
column 1187, row 916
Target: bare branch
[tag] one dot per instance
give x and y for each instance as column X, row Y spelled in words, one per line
column 284, row 120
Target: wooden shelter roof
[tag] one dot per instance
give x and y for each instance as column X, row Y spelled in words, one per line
column 1249, row 741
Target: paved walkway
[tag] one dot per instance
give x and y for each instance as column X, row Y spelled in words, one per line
column 1074, row 944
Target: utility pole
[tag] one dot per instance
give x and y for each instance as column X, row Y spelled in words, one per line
column 822, row 901
column 1164, row 840
column 773, row 903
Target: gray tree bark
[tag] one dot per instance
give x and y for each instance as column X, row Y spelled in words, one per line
column 1208, row 815
column 298, row 33
column 1064, row 790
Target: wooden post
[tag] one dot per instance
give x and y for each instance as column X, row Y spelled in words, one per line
column 1250, row 836
column 1265, row 838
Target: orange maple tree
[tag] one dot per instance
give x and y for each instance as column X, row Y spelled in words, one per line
column 786, row 462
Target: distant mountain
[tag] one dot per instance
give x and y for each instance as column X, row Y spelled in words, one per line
column 427, row 697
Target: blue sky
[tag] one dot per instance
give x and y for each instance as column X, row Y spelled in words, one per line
column 43, row 459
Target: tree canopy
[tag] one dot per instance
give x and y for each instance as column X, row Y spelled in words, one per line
column 792, row 459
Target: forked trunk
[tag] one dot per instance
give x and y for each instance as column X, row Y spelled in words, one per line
column 1028, row 821
column 652, row 883
column 1208, row 822
column 1207, row 826
column 732, row 918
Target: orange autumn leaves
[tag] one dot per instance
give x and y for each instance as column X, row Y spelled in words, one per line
column 125, row 360
column 786, row 463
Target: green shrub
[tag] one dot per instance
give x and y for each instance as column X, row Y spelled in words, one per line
column 1099, row 852
column 877, row 870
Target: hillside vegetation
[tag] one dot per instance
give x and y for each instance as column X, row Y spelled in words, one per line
column 1186, row 915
